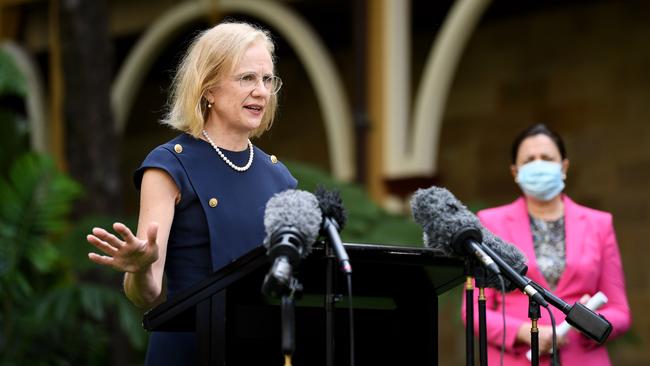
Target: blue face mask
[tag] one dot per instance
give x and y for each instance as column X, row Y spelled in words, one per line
column 541, row 179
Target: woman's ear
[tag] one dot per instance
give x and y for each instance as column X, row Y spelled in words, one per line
column 565, row 168
column 513, row 170
column 209, row 96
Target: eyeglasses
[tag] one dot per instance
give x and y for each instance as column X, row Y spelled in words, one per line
column 251, row 80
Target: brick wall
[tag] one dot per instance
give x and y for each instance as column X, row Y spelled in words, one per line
column 585, row 71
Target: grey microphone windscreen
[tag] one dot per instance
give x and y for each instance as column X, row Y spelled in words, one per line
column 293, row 208
column 509, row 253
column 442, row 215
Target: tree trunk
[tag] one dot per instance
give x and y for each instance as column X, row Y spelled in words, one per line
column 92, row 144
column 92, row 148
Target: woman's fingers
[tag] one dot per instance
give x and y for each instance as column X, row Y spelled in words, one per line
column 562, row 341
column 125, row 232
column 101, row 259
column 130, row 254
column 101, row 245
column 107, row 237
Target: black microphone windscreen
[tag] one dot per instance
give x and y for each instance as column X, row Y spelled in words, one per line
column 331, row 205
column 293, row 208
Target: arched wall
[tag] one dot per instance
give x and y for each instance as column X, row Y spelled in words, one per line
column 35, row 102
column 413, row 150
column 319, row 65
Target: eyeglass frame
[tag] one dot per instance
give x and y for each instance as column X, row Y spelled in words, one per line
column 252, row 84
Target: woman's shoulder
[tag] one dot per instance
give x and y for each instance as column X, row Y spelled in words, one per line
column 182, row 145
column 273, row 165
column 502, row 210
column 264, row 156
column 179, row 144
column 270, row 161
column 164, row 156
column 581, row 210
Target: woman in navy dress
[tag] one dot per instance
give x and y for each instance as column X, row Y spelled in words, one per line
column 202, row 194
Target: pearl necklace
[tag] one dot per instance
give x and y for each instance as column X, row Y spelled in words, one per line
column 230, row 163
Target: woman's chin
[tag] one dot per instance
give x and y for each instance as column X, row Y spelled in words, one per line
column 252, row 125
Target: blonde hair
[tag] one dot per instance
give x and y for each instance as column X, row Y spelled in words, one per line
column 213, row 54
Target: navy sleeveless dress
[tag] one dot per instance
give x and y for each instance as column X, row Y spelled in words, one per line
column 219, row 218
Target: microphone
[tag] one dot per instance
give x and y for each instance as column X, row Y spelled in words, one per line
column 444, row 219
column 582, row 317
column 292, row 219
column 520, row 281
column 594, row 303
column 334, row 218
column 450, row 227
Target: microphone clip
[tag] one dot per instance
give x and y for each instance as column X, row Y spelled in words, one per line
column 285, row 251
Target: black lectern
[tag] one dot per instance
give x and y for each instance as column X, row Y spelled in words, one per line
column 395, row 301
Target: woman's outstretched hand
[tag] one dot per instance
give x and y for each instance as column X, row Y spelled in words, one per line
column 128, row 254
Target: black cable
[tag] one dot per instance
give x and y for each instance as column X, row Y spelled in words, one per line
column 351, row 315
column 503, row 316
column 554, row 350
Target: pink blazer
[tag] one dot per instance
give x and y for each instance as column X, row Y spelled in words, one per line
column 593, row 264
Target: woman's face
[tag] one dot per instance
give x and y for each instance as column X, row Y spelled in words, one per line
column 538, row 147
column 238, row 109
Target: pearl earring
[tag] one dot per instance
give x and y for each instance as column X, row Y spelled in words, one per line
column 209, row 105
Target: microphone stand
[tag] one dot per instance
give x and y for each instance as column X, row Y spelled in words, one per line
column 289, row 292
column 288, row 328
column 334, row 250
column 469, row 313
column 330, row 299
column 534, row 313
column 592, row 325
column 482, row 325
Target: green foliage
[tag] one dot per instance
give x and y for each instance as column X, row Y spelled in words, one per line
column 367, row 222
column 55, row 306
column 50, row 293
column 101, row 294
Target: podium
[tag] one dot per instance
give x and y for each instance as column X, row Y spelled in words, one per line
column 395, row 299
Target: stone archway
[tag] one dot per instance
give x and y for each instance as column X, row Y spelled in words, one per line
column 310, row 50
column 35, row 101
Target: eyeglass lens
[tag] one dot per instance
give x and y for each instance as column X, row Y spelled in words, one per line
column 252, row 80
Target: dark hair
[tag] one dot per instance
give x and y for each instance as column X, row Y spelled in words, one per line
column 537, row 129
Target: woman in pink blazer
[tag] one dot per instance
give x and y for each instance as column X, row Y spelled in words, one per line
column 571, row 250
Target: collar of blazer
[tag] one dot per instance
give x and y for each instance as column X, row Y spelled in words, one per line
column 521, row 235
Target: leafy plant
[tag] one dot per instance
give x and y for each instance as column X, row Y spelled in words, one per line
column 48, row 292
column 54, row 305
column 367, row 222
